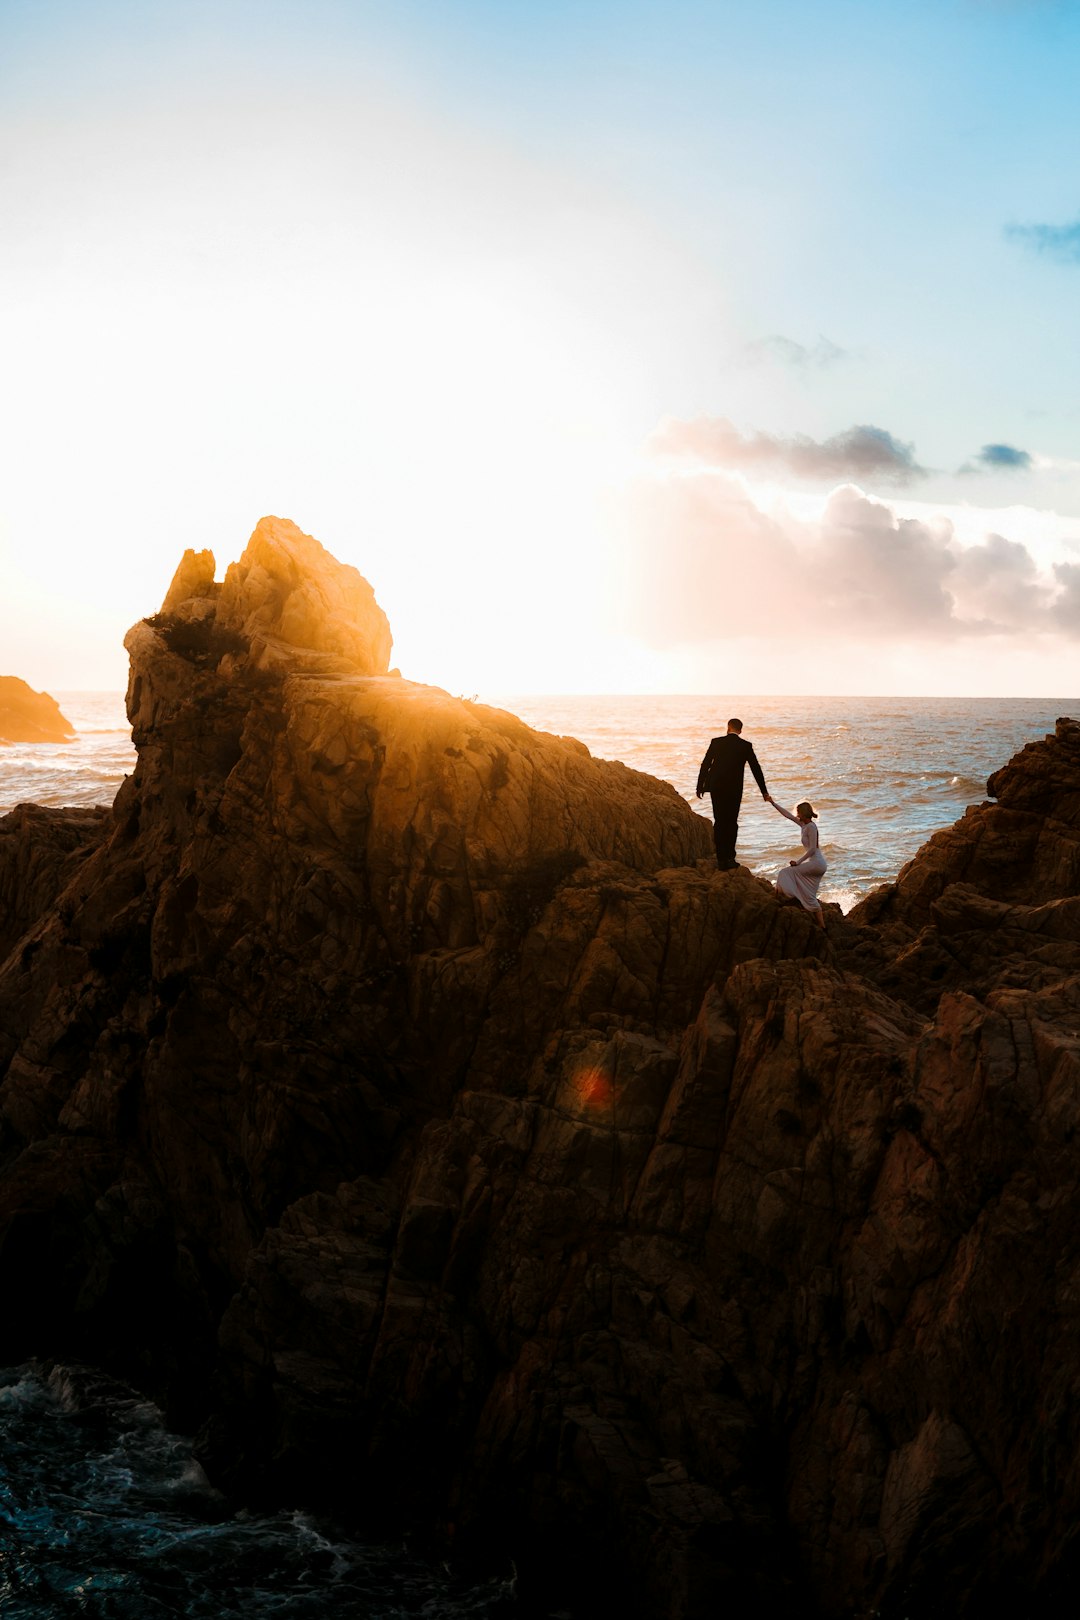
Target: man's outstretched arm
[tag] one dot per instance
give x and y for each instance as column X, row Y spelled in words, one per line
column 759, row 776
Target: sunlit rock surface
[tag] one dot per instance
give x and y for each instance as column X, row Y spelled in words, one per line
column 294, row 604
column 27, row 716
column 405, row 1094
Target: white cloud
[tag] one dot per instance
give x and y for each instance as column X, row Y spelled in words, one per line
column 863, row 451
column 996, row 585
column 799, row 356
column 714, row 563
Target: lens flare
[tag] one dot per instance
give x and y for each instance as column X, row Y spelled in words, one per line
column 594, row 1090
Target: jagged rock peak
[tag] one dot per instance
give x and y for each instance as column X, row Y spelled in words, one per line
column 193, row 586
column 288, row 592
column 291, row 601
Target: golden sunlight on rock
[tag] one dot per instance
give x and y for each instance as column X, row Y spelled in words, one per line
column 193, row 583
column 288, row 589
column 288, row 602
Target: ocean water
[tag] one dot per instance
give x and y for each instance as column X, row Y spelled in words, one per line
column 883, row 773
column 105, row 1514
column 86, row 771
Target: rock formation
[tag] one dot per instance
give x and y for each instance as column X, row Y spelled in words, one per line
column 404, row 1094
column 27, row 716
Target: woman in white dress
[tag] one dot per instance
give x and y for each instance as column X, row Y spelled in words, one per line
column 799, row 881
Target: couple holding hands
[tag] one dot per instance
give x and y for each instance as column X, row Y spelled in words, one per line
column 721, row 776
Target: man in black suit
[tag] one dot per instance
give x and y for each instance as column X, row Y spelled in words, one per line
column 721, row 774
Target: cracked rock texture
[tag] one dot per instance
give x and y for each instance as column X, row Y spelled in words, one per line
column 404, row 1095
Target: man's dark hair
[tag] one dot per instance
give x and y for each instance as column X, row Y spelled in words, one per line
column 734, row 725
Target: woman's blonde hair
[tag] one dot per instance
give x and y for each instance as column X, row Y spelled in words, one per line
column 807, row 809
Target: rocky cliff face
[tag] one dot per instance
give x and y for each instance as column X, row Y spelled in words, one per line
column 405, row 1094
column 27, row 716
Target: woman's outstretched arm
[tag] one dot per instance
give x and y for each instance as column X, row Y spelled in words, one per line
column 782, row 811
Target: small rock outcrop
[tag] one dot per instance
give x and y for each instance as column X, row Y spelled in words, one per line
column 403, row 1093
column 992, row 901
column 27, row 716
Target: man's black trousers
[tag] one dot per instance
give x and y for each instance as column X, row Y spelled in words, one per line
column 725, row 809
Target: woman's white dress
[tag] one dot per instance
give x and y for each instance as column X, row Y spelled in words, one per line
column 800, row 882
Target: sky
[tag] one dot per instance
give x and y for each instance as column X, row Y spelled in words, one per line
column 705, row 346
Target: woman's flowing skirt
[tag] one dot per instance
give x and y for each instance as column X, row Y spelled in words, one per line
column 801, row 882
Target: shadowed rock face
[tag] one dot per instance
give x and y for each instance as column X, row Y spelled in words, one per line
column 993, row 901
column 404, row 1093
column 27, row 716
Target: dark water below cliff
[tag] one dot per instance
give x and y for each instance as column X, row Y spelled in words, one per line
column 104, row 1513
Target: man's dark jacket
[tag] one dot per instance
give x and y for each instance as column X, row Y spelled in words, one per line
column 721, row 770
